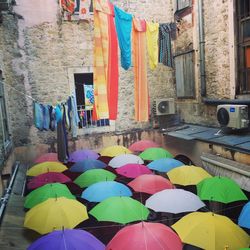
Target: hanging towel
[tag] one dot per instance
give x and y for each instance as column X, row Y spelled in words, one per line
column 46, row 117
column 166, row 32
column 140, row 71
column 84, row 10
column 101, row 53
column 123, row 23
column 152, row 42
column 74, row 116
column 68, row 5
column 38, row 115
column 52, row 115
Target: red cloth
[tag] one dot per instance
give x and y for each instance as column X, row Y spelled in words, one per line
column 68, row 5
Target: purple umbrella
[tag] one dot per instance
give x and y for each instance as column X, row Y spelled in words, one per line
column 67, row 239
column 81, row 155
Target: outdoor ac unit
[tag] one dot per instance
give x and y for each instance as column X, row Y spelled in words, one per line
column 164, row 106
column 233, row 116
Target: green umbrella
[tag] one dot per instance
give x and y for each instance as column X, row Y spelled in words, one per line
column 221, row 189
column 120, row 209
column 152, row 154
column 93, row 176
column 51, row 190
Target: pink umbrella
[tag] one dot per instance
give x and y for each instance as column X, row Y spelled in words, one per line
column 140, row 146
column 145, row 235
column 47, row 157
column 133, row 170
column 46, row 178
column 83, row 154
column 150, row 184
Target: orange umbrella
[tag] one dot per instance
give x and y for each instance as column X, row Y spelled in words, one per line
column 47, row 157
column 141, row 145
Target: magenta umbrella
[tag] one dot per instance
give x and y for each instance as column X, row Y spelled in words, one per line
column 46, row 178
column 47, row 157
column 133, row 170
column 141, row 145
column 81, row 155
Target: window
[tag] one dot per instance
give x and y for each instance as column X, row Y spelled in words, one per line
column 85, row 100
column 184, row 74
column 243, row 20
column 182, row 4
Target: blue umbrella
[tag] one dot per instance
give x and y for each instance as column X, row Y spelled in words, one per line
column 87, row 164
column 105, row 189
column 164, row 164
column 244, row 218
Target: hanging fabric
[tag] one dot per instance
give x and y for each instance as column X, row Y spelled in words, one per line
column 84, row 9
column 68, row 5
column 38, row 115
column 123, row 23
column 46, row 117
column 152, row 43
column 167, row 32
column 140, row 71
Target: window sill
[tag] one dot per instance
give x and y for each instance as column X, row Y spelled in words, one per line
column 96, row 130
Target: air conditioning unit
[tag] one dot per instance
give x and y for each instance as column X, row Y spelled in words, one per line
column 164, row 106
column 233, row 116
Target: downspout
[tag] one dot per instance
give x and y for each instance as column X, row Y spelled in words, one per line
column 202, row 48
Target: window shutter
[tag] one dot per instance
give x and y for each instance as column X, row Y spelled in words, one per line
column 181, row 4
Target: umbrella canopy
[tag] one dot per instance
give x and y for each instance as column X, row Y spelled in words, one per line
column 164, row 165
column 46, row 167
column 46, row 178
column 142, row 145
column 87, row 164
column 152, row 154
column 174, row 201
column 67, row 239
column 150, row 184
column 120, row 209
column 220, row 189
column 80, row 155
column 47, row 157
column 55, row 214
column 52, row 190
column 93, row 176
column 187, row 175
column 105, row 189
column 133, row 170
column 244, row 218
column 210, row 231
column 113, row 151
column 145, row 235
column 124, row 159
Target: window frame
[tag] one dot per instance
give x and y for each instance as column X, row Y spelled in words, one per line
column 177, row 4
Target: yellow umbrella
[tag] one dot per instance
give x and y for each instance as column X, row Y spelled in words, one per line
column 45, row 167
column 55, row 214
column 211, row 231
column 113, row 151
column 187, row 175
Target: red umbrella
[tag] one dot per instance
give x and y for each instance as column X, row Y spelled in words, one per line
column 133, row 170
column 47, row 157
column 145, row 235
column 150, row 184
column 46, row 178
column 140, row 146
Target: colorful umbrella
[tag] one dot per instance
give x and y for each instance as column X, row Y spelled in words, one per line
column 113, row 151
column 187, row 175
column 174, row 201
column 150, row 184
column 133, row 170
column 220, row 189
column 105, row 189
column 46, row 167
column 81, row 155
column 55, row 214
column 164, row 165
column 46, row 178
column 244, row 218
column 211, row 231
column 87, row 164
column 67, row 239
column 120, row 209
column 152, row 154
column 45, row 192
column 142, row 145
column 124, row 159
column 93, row 176
column 47, row 157
column 145, row 235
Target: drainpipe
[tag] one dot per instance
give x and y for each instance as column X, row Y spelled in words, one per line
column 202, row 48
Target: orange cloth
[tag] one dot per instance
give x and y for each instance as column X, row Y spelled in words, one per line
column 140, row 71
column 68, row 5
